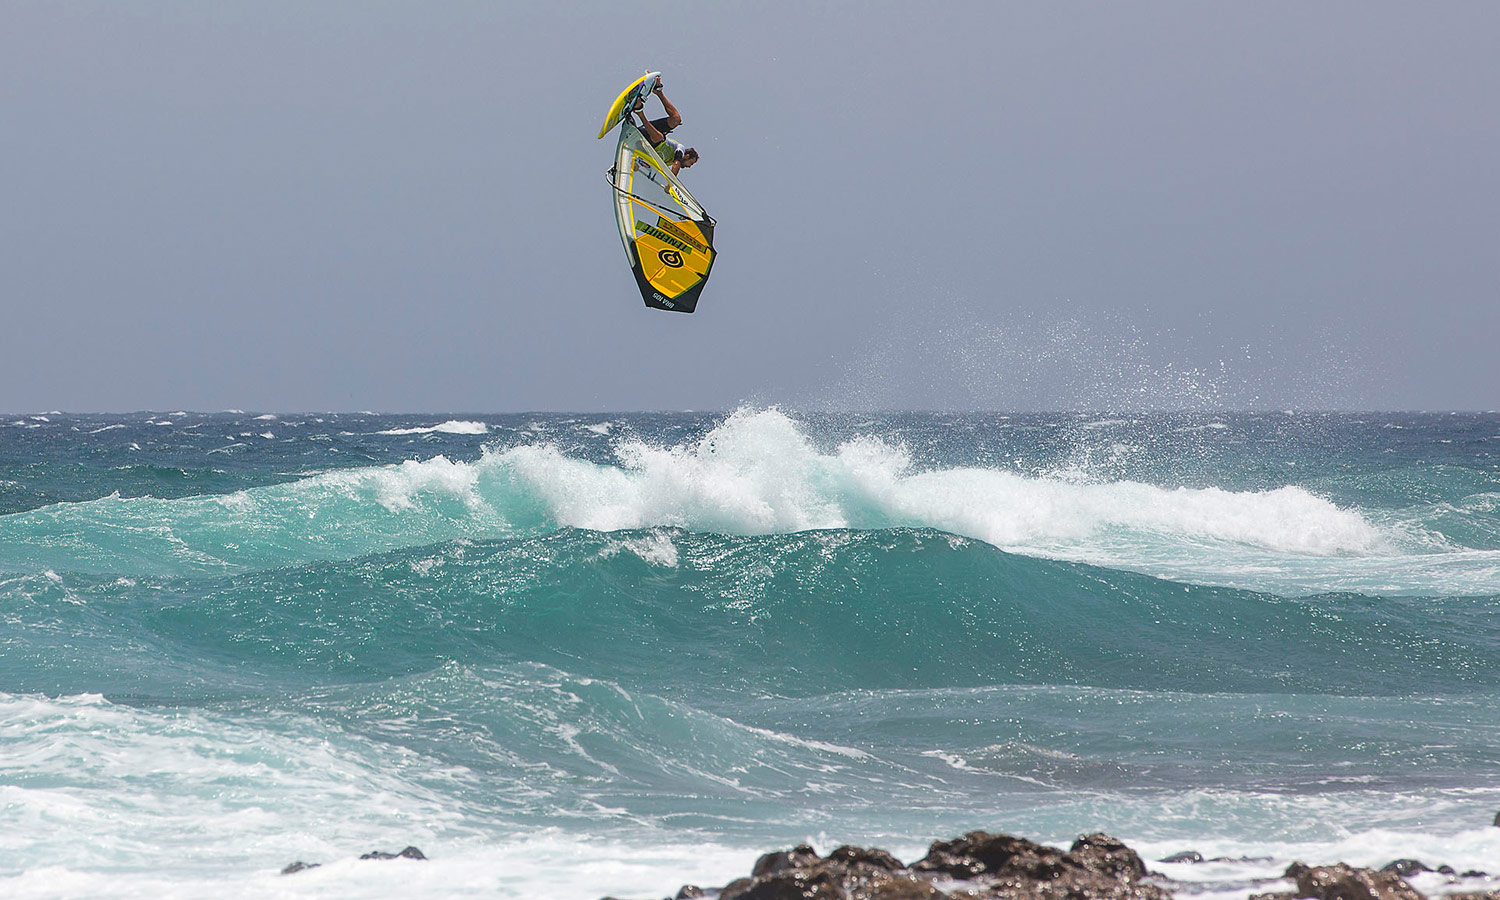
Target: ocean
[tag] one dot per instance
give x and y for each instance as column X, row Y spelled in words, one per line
column 576, row 655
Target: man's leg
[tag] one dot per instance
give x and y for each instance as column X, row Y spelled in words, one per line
column 652, row 133
column 674, row 118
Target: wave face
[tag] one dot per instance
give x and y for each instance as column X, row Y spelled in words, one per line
column 799, row 614
column 231, row 641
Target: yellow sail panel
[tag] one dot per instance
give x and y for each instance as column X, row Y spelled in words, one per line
column 674, row 256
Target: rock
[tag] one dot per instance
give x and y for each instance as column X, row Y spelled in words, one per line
column 798, row 857
column 1108, row 856
column 902, row 889
column 982, row 853
column 788, row 884
column 1344, row 882
column 985, row 866
column 860, row 856
column 847, row 873
column 1097, row 867
column 408, row 853
column 982, row 866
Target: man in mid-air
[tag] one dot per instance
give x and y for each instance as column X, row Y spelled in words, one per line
column 656, row 130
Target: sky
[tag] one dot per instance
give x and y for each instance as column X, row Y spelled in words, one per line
column 967, row 205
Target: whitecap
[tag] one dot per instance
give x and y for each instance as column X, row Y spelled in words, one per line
column 450, row 427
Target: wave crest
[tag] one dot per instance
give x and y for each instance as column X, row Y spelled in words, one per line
column 757, row 472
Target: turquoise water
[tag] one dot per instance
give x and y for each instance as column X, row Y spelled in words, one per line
column 576, row 655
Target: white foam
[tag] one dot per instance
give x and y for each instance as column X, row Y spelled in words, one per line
column 757, row 472
column 399, row 487
column 99, row 799
column 451, row 427
column 1208, row 426
column 808, row 743
column 655, row 548
column 1352, row 841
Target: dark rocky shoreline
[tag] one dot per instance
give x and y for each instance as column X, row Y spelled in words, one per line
column 985, row 866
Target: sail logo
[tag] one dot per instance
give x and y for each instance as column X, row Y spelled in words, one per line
column 660, row 235
column 672, row 228
column 671, row 258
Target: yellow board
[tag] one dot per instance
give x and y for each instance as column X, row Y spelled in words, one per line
column 627, row 96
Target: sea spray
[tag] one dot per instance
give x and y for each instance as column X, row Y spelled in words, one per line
column 756, row 472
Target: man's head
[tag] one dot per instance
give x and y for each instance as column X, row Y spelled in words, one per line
column 689, row 157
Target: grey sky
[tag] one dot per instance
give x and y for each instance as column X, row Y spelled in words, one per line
column 363, row 205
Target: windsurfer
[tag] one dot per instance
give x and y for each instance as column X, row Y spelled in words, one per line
column 671, row 152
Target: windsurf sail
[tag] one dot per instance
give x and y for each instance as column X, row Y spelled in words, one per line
column 669, row 239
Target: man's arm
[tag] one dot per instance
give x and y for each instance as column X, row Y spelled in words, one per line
column 674, row 118
column 649, row 130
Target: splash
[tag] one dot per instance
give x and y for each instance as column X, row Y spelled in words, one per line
column 757, row 472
